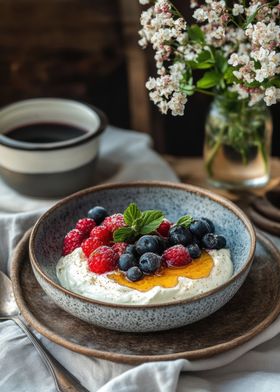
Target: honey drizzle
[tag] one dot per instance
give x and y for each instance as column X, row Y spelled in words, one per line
column 168, row 277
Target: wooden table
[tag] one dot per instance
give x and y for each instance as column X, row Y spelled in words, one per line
column 191, row 171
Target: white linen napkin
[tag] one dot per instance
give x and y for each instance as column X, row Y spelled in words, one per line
column 21, row 369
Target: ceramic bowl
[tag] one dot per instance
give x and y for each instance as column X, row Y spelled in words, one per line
column 174, row 200
column 58, row 157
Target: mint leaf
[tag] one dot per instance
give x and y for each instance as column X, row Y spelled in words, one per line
column 184, row 221
column 150, row 221
column 123, row 234
column 137, row 224
column 209, row 79
column 131, row 214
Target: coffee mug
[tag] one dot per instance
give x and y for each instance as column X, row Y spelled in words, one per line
column 49, row 146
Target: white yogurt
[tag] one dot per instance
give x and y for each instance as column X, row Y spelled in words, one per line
column 73, row 274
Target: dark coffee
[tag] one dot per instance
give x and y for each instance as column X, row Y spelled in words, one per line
column 45, row 133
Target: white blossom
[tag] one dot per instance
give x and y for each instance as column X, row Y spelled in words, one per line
column 200, row 15
column 194, row 4
column 240, row 90
column 252, row 51
column 262, row 34
column 234, row 59
column 151, row 83
column 219, row 33
column 238, row 9
column 252, row 8
column 177, row 104
column 272, row 95
column 163, row 107
column 260, row 54
column 255, row 98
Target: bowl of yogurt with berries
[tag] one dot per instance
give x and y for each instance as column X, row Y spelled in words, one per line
column 142, row 256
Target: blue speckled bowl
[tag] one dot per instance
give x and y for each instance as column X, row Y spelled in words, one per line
column 174, row 200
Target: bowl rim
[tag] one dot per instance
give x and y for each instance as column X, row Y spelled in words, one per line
column 76, row 141
column 164, row 184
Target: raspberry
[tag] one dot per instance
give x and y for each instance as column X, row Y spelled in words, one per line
column 104, row 259
column 114, row 222
column 90, row 245
column 164, row 228
column 119, row 248
column 85, row 226
column 102, row 233
column 176, row 256
column 72, row 240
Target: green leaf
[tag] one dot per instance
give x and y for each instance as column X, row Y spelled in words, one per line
column 196, row 34
column 257, row 65
column 185, row 221
column 228, row 75
column 150, row 221
column 131, row 214
column 252, row 84
column 209, row 79
column 187, row 89
column 221, row 62
column 205, row 65
column 187, row 92
column 204, row 56
column 123, row 234
column 275, row 82
column 250, row 18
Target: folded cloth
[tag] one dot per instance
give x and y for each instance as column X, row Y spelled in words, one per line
column 21, row 369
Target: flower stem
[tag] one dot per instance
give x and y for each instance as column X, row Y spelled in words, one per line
column 205, row 92
column 215, row 149
column 175, row 10
column 263, row 151
column 234, row 22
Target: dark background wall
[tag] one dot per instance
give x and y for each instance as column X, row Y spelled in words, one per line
column 76, row 49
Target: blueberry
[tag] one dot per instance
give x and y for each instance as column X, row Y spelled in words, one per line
column 197, row 241
column 148, row 243
column 210, row 224
column 131, row 249
column 210, row 241
column 98, row 214
column 162, row 243
column 149, row 262
column 134, row 274
column 221, row 242
column 194, row 251
column 127, row 261
column 199, row 228
column 179, row 235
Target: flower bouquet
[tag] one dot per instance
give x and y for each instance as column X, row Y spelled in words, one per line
column 231, row 52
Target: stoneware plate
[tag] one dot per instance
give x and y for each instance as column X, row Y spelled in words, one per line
column 174, row 200
column 269, row 204
column 250, row 311
column 265, row 211
column 264, row 223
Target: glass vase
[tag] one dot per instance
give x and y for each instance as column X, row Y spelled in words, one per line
column 237, row 144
